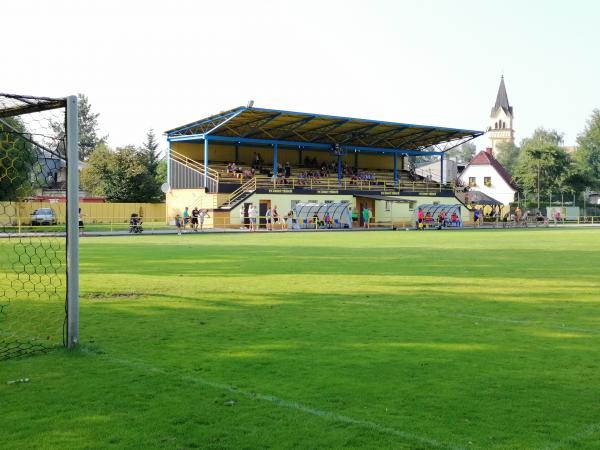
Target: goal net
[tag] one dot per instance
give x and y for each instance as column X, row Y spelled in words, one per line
column 37, row 248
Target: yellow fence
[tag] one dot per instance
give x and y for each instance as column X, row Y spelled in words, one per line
column 19, row 213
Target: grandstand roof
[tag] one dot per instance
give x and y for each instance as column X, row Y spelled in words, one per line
column 246, row 124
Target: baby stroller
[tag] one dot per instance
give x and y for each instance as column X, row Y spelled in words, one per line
column 135, row 224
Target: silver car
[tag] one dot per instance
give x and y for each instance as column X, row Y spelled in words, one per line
column 43, row 216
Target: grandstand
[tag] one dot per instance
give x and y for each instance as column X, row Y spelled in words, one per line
column 269, row 157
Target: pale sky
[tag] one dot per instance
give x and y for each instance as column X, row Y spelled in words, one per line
column 160, row 64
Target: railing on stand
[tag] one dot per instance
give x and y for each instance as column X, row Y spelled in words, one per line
column 345, row 184
column 187, row 173
column 248, row 187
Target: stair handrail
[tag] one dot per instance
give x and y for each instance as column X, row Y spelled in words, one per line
column 193, row 164
column 249, row 185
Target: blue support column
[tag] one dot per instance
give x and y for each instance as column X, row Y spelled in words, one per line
column 339, row 167
column 442, row 168
column 395, row 167
column 274, row 161
column 168, row 161
column 205, row 163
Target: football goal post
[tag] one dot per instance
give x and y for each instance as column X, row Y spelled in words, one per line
column 39, row 204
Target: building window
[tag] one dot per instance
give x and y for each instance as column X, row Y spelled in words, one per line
column 293, row 203
column 388, row 206
column 487, row 181
column 411, row 206
column 472, row 182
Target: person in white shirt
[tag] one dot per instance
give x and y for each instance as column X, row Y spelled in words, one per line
column 252, row 213
column 242, row 217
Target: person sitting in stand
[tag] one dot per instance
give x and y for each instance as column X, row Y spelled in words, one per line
column 287, row 170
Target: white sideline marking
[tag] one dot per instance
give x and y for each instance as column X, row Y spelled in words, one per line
column 592, row 429
column 522, row 322
column 294, row 405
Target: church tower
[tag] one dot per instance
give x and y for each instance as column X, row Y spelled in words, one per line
column 501, row 120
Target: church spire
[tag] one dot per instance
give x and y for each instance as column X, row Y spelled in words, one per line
column 502, row 98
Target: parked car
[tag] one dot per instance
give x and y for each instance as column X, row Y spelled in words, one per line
column 43, row 216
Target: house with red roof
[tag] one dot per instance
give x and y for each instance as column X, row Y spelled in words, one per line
column 485, row 174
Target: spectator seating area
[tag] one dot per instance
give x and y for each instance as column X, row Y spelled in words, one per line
column 320, row 175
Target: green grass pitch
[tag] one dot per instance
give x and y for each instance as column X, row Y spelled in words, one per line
column 403, row 340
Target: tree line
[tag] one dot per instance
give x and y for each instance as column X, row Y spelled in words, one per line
column 122, row 174
column 542, row 164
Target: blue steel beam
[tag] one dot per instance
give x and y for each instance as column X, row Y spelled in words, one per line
column 400, row 151
column 379, row 137
column 268, row 142
column 333, row 133
column 191, row 137
column 200, row 138
column 225, row 121
column 327, row 127
column 256, row 128
column 415, row 137
column 204, row 121
column 293, row 124
column 274, row 161
column 353, row 119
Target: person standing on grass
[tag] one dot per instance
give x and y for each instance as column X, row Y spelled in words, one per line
column 292, row 217
column 442, row 218
column 366, row 217
column 195, row 214
column 275, row 215
column 201, row 216
column 242, row 217
column 178, row 223
column 268, row 219
column 80, row 220
column 524, row 218
column 557, row 217
column 476, row 217
column 186, row 217
column 420, row 218
column 252, row 213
